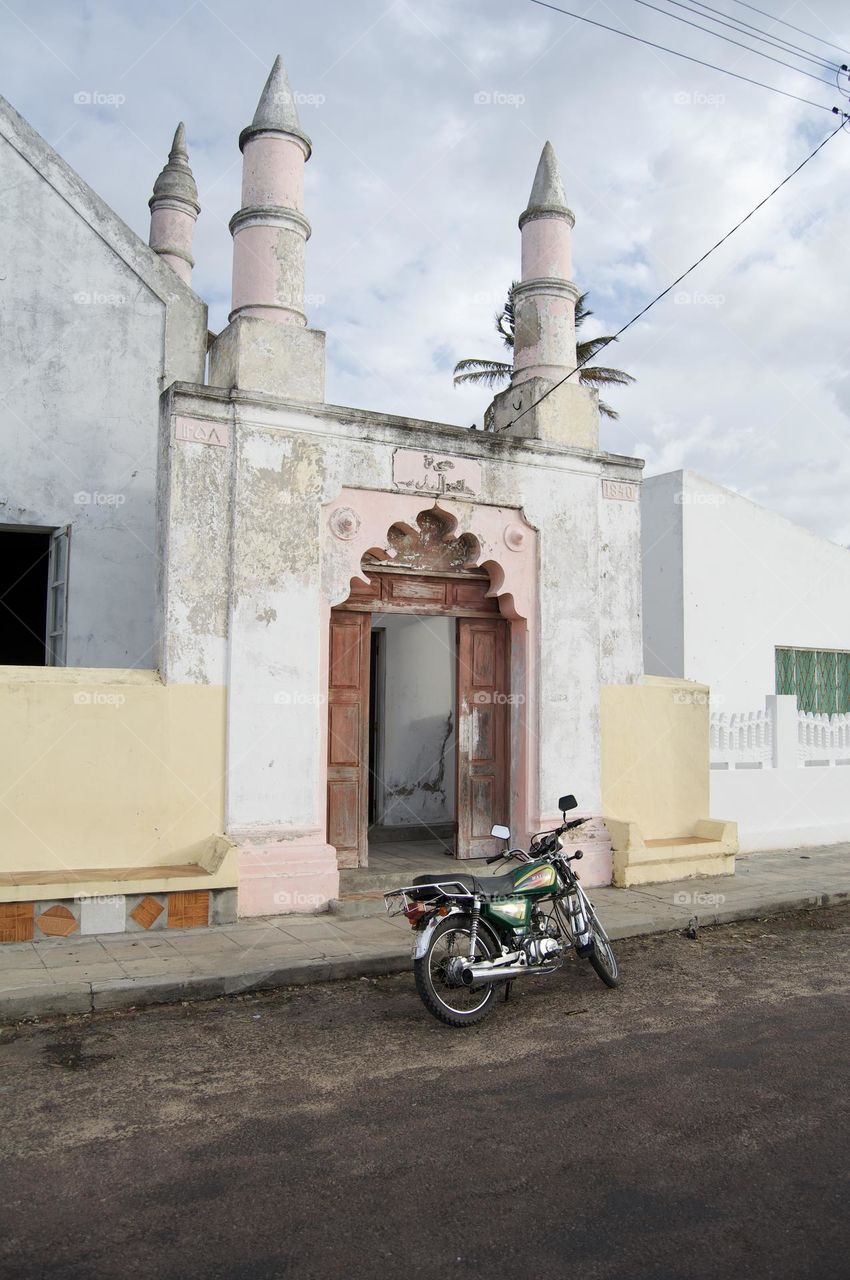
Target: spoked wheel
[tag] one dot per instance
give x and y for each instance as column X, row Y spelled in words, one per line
column 438, row 978
column 602, row 957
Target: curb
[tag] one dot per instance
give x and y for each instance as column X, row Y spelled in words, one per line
column 136, row 993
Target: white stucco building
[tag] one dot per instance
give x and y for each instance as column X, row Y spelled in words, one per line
column 95, row 326
column 758, row 609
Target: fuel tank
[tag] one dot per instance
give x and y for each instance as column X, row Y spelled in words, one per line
column 532, row 880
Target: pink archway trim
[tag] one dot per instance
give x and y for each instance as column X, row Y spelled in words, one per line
column 358, row 520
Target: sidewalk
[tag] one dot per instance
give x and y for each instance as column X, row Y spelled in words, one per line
column 119, row 971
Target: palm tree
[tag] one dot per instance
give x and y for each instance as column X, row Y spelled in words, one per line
column 491, row 373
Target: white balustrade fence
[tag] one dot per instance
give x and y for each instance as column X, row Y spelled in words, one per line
column 823, row 739
column 776, row 773
column 741, row 738
column 778, row 737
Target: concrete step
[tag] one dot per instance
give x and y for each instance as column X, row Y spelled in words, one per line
column 357, row 881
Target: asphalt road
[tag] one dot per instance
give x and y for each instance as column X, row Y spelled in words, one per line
column 692, row 1123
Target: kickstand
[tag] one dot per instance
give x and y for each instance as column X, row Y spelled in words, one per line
column 508, row 986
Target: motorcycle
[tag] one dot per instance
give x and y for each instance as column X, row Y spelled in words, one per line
column 476, row 935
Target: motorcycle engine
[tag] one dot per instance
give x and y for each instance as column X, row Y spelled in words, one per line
column 541, row 950
column 544, row 946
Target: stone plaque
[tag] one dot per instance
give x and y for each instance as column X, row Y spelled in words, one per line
column 432, row 473
column 195, row 431
column 622, row 490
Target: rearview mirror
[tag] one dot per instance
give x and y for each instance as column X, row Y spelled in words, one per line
column 501, row 833
column 567, row 802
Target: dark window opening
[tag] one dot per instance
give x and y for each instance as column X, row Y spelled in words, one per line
column 24, row 563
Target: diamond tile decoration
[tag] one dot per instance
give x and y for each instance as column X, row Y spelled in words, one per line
column 16, row 921
column 189, row 909
column 57, row 922
column 147, row 912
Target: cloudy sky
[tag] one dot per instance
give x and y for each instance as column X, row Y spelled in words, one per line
column 427, row 119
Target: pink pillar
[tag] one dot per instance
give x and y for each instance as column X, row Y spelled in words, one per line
column 270, row 230
column 174, row 210
column 545, row 298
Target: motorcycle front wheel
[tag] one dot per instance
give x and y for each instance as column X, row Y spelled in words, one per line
column 439, row 987
column 602, row 957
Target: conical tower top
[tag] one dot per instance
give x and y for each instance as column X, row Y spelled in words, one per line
column 547, row 191
column 176, row 180
column 276, row 111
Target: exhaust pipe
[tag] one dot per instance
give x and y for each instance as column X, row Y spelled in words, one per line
column 483, row 973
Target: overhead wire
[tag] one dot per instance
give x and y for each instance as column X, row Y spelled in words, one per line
column 718, row 35
column 712, row 66
column 799, row 30
column 754, row 33
column 678, row 280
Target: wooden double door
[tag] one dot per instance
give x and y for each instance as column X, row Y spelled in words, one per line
column 481, row 715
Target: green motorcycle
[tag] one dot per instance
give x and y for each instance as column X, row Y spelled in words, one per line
column 474, row 936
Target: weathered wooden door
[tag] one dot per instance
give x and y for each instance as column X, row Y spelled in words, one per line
column 348, row 737
column 482, row 740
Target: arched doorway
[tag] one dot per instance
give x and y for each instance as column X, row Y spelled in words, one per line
column 419, row 695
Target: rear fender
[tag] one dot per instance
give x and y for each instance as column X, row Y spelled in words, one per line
column 424, row 936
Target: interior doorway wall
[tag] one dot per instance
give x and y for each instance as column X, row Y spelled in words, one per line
column 412, row 725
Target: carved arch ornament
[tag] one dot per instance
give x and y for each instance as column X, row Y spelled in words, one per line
column 373, row 524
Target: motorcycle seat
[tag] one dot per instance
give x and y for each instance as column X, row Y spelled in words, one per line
column 487, row 887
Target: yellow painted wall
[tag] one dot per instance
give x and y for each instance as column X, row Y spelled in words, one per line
column 655, row 755
column 102, row 768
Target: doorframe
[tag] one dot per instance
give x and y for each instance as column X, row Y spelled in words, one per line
column 377, row 738
column 357, row 522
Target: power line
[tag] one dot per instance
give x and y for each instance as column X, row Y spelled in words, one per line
column 718, row 35
column 677, row 54
column 678, row 279
column 738, row 24
column 808, row 34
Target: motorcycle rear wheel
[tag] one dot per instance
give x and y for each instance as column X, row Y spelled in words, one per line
column 454, row 1004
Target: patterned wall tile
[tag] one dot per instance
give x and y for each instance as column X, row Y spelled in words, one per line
column 16, row 921
column 189, row 909
column 57, row 920
column 145, row 912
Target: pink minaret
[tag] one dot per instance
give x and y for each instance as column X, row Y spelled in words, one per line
column 270, row 230
column 537, row 404
column 174, row 210
column 545, row 299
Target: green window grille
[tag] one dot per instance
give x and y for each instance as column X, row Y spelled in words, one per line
column 820, row 678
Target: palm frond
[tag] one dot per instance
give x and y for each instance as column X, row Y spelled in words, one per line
column 488, row 373
column 598, row 375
